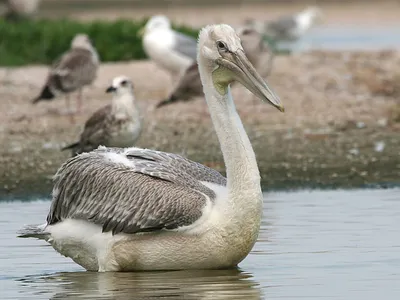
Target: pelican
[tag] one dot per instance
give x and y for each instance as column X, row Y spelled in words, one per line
column 72, row 71
column 137, row 209
column 115, row 125
column 169, row 49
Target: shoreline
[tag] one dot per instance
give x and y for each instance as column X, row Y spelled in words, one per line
column 341, row 128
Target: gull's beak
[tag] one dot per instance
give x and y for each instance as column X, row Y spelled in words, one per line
column 110, row 89
column 141, row 31
column 243, row 71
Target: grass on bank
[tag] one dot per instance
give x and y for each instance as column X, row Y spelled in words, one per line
column 42, row 41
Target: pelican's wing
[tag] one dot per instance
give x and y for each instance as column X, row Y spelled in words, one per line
column 73, row 70
column 196, row 170
column 131, row 190
column 185, row 45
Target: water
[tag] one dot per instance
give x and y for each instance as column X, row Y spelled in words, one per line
column 319, row 244
column 361, row 38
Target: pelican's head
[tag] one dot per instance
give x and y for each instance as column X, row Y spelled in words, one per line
column 154, row 23
column 82, row 40
column 221, row 54
column 121, row 85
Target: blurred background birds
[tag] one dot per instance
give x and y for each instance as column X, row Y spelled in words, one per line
column 71, row 72
column 286, row 30
column 20, row 9
column 168, row 48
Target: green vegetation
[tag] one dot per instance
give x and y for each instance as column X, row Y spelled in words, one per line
column 42, row 41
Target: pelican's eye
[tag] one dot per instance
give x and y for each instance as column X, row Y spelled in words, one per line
column 222, row 46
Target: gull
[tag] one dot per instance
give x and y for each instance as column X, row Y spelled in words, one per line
column 72, row 71
column 288, row 29
column 21, row 8
column 115, row 125
column 294, row 27
column 169, row 49
column 257, row 50
column 132, row 209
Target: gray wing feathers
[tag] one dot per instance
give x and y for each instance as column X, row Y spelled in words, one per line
column 73, row 70
column 127, row 191
column 189, row 84
column 185, row 45
column 179, row 163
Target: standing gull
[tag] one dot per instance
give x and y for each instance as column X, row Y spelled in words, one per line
column 288, row 29
column 115, row 125
column 17, row 9
column 138, row 209
column 171, row 50
column 72, row 71
column 294, row 27
column 258, row 52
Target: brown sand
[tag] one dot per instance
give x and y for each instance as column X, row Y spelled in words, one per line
column 340, row 108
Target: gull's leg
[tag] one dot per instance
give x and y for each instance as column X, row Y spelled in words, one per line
column 69, row 112
column 79, row 101
column 67, row 103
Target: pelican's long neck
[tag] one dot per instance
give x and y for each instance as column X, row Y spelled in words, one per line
column 243, row 177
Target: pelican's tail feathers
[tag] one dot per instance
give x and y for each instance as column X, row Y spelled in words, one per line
column 34, row 231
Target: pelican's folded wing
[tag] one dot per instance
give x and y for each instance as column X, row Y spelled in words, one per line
column 130, row 190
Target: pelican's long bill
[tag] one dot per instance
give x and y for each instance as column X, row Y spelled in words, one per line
column 244, row 72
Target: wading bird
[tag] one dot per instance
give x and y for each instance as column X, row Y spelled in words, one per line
column 138, row 209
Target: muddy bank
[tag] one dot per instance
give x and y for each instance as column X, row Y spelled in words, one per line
column 341, row 127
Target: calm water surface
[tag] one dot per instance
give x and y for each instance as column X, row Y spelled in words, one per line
column 313, row 245
column 353, row 38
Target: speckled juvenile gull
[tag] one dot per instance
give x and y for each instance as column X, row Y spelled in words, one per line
column 115, row 125
column 135, row 209
column 169, row 49
column 72, row 71
column 257, row 50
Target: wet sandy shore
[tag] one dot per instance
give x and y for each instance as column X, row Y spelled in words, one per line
column 341, row 126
